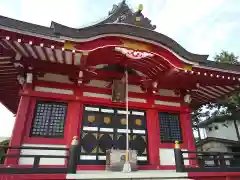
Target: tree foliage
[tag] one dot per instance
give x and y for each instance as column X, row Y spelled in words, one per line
column 227, row 108
column 3, row 150
column 226, row 57
column 230, row 105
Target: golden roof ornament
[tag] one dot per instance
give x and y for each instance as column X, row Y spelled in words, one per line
column 139, row 12
column 140, row 7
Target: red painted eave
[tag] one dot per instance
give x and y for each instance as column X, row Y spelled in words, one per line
column 167, row 68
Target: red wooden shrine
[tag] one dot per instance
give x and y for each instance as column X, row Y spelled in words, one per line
column 58, row 81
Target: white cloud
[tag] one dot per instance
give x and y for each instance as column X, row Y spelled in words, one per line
column 206, row 39
column 200, row 26
column 44, row 11
column 172, row 16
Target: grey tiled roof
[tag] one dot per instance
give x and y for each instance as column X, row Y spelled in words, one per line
column 56, row 30
column 25, row 26
column 224, row 141
column 224, row 66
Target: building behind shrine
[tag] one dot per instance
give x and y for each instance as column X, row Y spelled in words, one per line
column 59, row 82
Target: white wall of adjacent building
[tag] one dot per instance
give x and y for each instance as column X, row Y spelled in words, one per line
column 223, row 130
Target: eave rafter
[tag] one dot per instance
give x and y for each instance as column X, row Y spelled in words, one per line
column 9, row 85
column 165, row 68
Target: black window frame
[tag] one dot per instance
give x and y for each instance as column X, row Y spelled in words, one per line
column 169, row 140
column 48, row 125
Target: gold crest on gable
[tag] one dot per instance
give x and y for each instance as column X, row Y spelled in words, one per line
column 135, row 45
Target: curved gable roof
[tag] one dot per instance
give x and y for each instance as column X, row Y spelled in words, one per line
column 126, row 29
column 57, row 30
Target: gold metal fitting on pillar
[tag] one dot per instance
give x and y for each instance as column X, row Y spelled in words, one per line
column 177, row 145
column 74, row 140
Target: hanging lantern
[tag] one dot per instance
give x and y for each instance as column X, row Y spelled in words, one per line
column 155, row 87
column 21, row 79
column 80, row 74
column 155, row 84
column 187, row 98
column 29, row 78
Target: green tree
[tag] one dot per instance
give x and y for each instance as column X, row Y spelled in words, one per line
column 227, row 108
column 3, row 150
column 226, row 57
column 197, row 116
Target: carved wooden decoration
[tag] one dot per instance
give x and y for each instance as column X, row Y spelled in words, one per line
column 133, row 54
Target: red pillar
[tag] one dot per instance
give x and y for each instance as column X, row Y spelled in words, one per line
column 19, row 128
column 188, row 134
column 73, row 121
column 189, row 137
column 153, row 135
column 75, row 109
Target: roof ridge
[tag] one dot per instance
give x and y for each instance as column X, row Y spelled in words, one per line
column 21, row 21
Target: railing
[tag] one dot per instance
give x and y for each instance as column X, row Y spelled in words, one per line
column 36, row 168
column 206, row 161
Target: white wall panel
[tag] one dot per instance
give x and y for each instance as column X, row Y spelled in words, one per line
column 167, row 92
column 167, row 103
column 53, row 90
column 43, row 161
column 167, row 156
column 140, row 100
column 97, row 95
column 98, row 83
column 55, row 78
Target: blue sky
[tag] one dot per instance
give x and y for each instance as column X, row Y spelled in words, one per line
column 200, row 26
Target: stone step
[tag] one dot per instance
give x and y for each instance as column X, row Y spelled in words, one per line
column 141, row 175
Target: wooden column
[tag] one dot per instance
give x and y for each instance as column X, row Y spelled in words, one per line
column 73, row 124
column 188, row 133
column 19, row 126
column 153, row 135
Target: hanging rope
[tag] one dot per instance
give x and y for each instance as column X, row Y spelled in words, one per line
column 127, row 138
column 127, row 166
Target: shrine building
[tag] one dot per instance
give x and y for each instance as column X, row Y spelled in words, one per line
column 63, row 82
